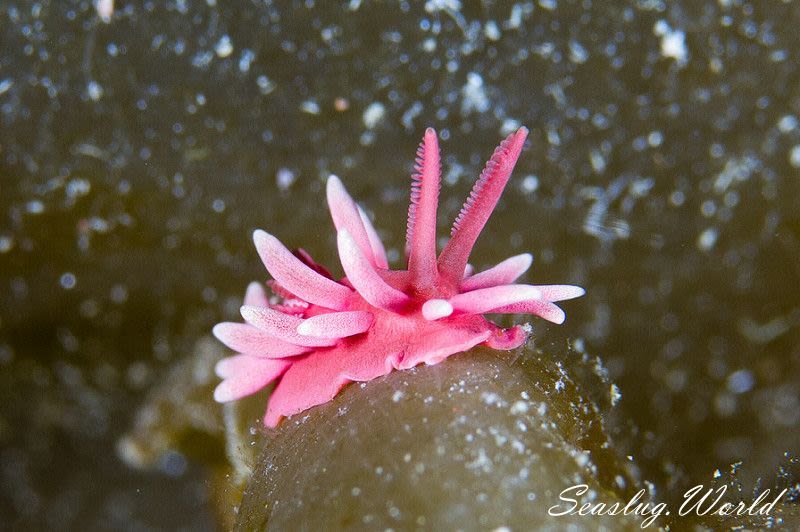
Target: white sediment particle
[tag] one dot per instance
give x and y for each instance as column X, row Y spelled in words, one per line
column 373, row 114
column 429, row 44
column 492, row 31
column 616, row 395
column 499, row 439
column 677, row 198
column 6, row 243
column 596, row 222
column 452, row 176
column 549, row 5
column 492, row 399
column 410, row 114
column 577, row 53
column 367, row 138
column 224, row 47
column 560, row 385
column 597, row 160
column 737, row 169
column 740, row 381
column 94, row 90
column 432, row 6
column 397, row 396
column 786, row 124
column 68, row 280
column 518, row 446
column 708, row 208
column 265, row 85
column 246, row 60
column 310, row 106
column 35, row 207
column 794, row 156
column 640, row 187
column 529, row 184
column 764, row 333
column 473, row 95
column 582, row 459
column 5, row 85
column 482, row 462
column 519, row 407
column 202, row 59
column 515, row 18
column 655, row 138
column 284, row 178
column 707, row 239
column 77, row 187
column 673, row 42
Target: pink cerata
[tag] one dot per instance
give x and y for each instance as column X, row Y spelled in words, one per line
column 317, row 334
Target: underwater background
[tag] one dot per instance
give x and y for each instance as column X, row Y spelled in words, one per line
column 138, row 153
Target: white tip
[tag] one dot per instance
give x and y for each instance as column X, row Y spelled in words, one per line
column 259, row 235
column 222, row 393
column 433, row 309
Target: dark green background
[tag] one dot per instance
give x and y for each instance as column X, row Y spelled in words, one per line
column 137, row 156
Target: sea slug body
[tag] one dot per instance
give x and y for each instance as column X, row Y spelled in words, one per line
column 320, row 333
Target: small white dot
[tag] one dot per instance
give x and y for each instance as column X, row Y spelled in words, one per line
column 68, row 280
column 224, row 47
column 35, row 207
column 787, row 123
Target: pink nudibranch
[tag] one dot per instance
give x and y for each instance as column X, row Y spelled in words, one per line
column 321, row 333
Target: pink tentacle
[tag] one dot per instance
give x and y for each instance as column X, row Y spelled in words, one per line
column 252, row 341
column 537, row 307
column 344, row 212
column 479, row 206
column 298, row 278
column 485, row 300
column 421, row 229
column 280, row 325
column 378, row 251
column 365, row 279
column 506, row 272
column 245, row 375
column 336, row 324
